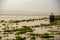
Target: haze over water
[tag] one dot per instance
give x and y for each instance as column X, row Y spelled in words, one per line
column 30, row 7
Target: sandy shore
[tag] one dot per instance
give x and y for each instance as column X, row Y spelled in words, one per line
column 38, row 30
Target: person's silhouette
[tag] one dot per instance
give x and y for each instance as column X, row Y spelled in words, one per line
column 51, row 18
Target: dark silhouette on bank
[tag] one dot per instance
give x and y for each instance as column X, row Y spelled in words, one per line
column 51, row 18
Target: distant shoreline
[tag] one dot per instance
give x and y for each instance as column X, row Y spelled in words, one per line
column 22, row 15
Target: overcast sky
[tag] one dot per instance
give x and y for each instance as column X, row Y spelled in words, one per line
column 44, row 7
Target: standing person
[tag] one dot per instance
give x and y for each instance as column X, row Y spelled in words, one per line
column 51, row 18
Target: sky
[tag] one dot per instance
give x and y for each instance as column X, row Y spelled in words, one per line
column 39, row 7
